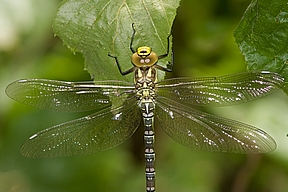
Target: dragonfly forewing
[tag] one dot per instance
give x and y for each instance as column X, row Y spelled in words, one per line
column 202, row 131
column 221, row 91
column 68, row 96
column 96, row 132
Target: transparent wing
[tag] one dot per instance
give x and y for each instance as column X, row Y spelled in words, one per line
column 220, row 91
column 67, row 96
column 97, row 132
column 202, row 131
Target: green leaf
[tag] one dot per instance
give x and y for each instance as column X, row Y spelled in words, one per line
column 262, row 36
column 98, row 27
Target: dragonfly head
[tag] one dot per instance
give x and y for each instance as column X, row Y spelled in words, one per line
column 144, row 57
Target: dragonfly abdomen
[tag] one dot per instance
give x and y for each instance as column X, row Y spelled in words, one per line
column 147, row 108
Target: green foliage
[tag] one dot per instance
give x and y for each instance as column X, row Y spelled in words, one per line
column 262, row 36
column 96, row 28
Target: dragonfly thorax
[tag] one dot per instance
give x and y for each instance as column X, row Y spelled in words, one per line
column 144, row 57
column 145, row 79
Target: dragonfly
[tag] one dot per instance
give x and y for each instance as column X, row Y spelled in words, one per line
column 120, row 106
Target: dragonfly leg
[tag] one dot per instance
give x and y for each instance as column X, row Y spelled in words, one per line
column 168, row 48
column 170, row 64
column 118, row 65
column 132, row 39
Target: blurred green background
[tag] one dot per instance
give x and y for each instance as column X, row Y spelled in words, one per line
column 203, row 45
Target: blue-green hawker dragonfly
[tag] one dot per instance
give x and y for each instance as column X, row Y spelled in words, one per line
column 121, row 106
